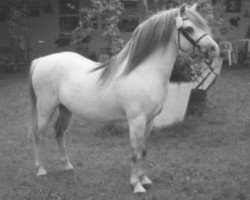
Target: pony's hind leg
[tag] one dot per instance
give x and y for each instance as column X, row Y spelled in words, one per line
column 39, row 142
column 60, row 128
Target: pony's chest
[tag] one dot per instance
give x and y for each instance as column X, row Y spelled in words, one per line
column 153, row 101
column 148, row 98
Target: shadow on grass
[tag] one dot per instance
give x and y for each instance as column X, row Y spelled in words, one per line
column 181, row 131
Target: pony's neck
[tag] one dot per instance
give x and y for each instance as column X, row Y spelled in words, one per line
column 160, row 64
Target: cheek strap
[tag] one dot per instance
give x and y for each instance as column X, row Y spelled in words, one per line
column 189, row 38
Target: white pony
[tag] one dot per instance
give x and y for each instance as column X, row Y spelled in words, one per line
column 130, row 87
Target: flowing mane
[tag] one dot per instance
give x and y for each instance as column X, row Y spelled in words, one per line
column 150, row 35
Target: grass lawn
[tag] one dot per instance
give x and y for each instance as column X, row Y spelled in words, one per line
column 203, row 158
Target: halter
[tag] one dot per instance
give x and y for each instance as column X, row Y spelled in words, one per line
column 189, row 38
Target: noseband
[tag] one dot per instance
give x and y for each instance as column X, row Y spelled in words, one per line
column 195, row 43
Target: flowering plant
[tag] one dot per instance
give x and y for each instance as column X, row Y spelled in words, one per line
column 185, row 69
column 110, row 10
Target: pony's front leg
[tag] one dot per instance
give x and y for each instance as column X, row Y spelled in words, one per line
column 137, row 128
column 144, row 179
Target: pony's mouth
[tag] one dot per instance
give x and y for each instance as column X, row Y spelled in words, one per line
column 206, row 53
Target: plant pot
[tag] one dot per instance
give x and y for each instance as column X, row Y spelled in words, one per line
column 175, row 106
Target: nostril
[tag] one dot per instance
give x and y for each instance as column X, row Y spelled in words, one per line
column 212, row 48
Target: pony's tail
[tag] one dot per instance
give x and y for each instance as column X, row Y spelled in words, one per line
column 33, row 121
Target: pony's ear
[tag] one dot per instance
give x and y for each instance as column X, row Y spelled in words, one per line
column 182, row 10
column 178, row 22
column 194, row 7
column 178, row 19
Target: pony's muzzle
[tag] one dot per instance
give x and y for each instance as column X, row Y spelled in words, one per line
column 211, row 51
column 215, row 50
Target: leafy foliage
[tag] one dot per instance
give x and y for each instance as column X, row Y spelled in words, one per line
column 111, row 9
column 152, row 6
column 17, row 26
column 17, row 19
column 185, row 69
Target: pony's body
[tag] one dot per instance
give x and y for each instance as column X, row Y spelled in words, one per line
column 81, row 93
column 128, row 88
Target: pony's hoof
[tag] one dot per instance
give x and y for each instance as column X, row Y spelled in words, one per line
column 138, row 188
column 68, row 166
column 146, row 181
column 41, row 171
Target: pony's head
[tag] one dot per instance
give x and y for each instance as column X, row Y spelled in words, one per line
column 192, row 32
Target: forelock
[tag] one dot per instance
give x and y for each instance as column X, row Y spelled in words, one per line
column 198, row 20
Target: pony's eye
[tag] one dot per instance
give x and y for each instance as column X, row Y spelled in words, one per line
column 189, row 29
